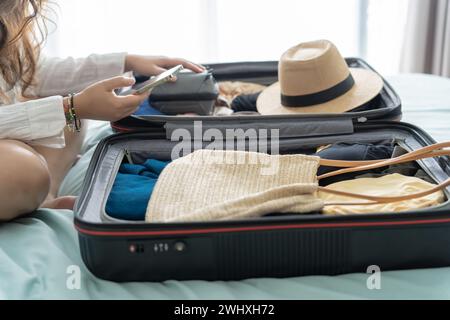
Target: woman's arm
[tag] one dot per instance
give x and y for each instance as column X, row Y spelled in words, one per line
column 38, row 122
column 57, row 76
column 41, row 122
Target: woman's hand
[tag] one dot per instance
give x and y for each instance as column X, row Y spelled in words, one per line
column 100, row 102
column 152, row 66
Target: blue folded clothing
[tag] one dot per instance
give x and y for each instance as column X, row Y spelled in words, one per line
column 132, row 190
column 147, row 110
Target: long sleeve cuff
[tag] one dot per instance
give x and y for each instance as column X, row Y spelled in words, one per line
column 47, row 123
column 38, row 122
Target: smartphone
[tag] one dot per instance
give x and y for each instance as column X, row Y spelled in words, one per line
column 153, row 82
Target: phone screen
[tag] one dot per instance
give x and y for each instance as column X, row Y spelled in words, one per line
column 153, row 82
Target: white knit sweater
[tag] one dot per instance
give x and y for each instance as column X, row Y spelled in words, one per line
column 224, row 185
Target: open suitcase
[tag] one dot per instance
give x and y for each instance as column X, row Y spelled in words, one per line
column 275, row 246
column 386, row 106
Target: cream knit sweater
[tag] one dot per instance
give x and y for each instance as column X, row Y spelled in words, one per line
column 225, row 185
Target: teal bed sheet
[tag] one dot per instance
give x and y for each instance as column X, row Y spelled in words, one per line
column 37, row 252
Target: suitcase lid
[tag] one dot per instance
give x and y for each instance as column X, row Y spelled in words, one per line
column 387, row 106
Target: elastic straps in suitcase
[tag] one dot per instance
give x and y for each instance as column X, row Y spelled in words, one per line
column 436, row 150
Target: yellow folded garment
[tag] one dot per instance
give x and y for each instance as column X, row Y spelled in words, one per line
column 388, row 186
column 225, row 185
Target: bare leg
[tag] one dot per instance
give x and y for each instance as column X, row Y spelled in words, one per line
column 31, row 177
column 60, row 161
column 25, row 179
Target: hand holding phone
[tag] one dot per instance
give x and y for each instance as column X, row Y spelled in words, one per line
column 154, row 82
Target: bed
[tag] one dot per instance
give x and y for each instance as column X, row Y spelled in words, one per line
column 37, row 253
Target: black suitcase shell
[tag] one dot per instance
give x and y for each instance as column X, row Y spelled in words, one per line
column 387, row 106
column 276, row 246
column 266, row 247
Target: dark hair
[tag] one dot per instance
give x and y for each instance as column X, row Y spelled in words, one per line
column 22, row 31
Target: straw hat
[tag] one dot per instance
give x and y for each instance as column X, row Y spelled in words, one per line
column 314, row 78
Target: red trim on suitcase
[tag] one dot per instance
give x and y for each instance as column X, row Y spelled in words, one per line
column 121, row 129
column 260, row 228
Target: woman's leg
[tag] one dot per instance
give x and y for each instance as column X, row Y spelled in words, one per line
column 31, row 177
column 25, row 179
column 60, row 161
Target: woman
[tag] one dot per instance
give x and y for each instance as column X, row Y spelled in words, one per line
column 37, row 149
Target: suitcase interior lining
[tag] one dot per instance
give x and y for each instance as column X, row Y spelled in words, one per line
column 141, row 150
column 266, row 73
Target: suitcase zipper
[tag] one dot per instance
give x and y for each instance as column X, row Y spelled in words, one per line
column 127, row 154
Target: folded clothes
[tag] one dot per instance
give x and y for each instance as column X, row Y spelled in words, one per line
column 222, row 111
column 231, row 90
column 353, row 152
column 248, row 103
column 132, row 190
column 388, row 186
column 245, row 103
column 408, row 169
column 210, row 185
column 213, row 185
column 145, row 109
